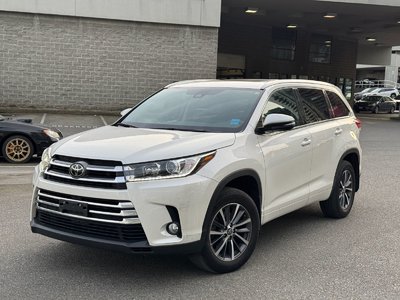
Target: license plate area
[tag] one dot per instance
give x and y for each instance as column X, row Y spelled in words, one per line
column 74, row 208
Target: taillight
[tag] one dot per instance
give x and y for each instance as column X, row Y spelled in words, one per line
column 358, row 123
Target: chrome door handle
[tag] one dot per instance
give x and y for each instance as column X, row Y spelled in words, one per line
column 338, row 131
column 306, row 142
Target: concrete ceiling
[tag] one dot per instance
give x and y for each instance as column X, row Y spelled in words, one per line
column 354, row 20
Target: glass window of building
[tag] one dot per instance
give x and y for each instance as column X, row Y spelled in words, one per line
column 320, row 49
column 283, row 44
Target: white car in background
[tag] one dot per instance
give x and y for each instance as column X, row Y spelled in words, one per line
column 359, row 95
column 388, row 92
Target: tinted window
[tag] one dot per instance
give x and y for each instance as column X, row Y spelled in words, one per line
column 339, row 109
column 372, row 98
column 196, row 109
column 315, row 105
column 283, row 102
column 283, row 44
column 320, row 49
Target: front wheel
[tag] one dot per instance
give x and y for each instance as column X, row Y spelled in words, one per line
column 391, row 110
column 232, row 233
column 17, row 149
column 376, row 110
column 393, row 96
column 341, row 199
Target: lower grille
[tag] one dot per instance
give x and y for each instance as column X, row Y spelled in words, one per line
column 107, row 231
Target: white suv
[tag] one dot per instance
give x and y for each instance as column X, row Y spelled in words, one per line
column 198, row 167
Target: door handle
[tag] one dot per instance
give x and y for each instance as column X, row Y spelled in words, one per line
column 306, row 142
column 338, row 131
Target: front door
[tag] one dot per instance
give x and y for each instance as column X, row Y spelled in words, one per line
column 287, row 156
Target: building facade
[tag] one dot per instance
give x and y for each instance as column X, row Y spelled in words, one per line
column 105, row 55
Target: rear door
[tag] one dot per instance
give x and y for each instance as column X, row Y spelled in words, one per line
column 324, row 132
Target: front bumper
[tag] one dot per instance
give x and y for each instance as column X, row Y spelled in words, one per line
column 136, row 247
column 190, row 196
column 42, row 141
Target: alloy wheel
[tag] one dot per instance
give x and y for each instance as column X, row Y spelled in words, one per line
column 345, row 190
column 230, row 232
column 18, row 149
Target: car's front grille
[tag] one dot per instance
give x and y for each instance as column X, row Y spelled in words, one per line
column 85, row 208
column 108, row 231
column 103, row 174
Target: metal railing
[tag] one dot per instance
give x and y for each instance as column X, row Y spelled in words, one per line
column 363, row 84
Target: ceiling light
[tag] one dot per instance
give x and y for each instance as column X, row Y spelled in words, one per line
column 371, row 39
column 291, row 26
column 330, row 15
column 251, row 10
column 328, row 42
column 355, row 29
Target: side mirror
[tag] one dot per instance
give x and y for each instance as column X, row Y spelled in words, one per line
column 277, row 122
column 125, row 111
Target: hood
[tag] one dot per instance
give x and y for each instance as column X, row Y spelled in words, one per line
column 366, row 102
column 21, row 125
column 134, row 145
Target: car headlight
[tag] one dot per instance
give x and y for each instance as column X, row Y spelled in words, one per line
column 164, row 169
column 52, row 134
column 44, row 163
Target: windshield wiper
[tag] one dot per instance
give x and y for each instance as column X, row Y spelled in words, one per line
column 180, row 129
column 125, row 125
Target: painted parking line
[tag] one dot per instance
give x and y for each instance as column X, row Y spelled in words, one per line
column 43, row 118
column 104, row 121
column 25, row 166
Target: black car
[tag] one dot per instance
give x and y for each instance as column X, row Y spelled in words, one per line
column 20, row 140
column 375, row 104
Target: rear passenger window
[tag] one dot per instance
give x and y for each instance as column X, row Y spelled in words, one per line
column 315, row 106
column 339, row 109
column 282, row 102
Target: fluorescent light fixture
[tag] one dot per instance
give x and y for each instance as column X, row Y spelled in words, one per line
column 371, row 39
column 330, row 15
column 291, row 26
column 251, row 10
column 355, row 29
column 328, row 42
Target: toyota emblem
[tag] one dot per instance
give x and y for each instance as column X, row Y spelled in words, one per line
column 78, row 169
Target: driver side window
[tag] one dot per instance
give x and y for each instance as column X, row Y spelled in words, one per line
column 282, row 102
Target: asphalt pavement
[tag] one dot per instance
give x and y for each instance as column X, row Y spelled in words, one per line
column 299, row 256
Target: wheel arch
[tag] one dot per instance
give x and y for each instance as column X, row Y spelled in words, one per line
column 246, row 180
column 353, row 157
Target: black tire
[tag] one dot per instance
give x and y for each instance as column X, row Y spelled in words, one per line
column 393, row 96
column 391, row 110
column 335, row 206
column 17, row 149
column 208, row 259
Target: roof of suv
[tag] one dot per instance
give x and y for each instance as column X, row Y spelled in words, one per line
column 242, row 83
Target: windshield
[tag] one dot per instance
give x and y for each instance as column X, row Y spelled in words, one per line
column 372, row 98
column 196, row 109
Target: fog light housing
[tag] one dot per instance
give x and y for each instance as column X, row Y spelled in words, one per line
column 173, row 228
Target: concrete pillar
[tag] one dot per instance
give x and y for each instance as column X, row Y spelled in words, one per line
column 391, row 73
